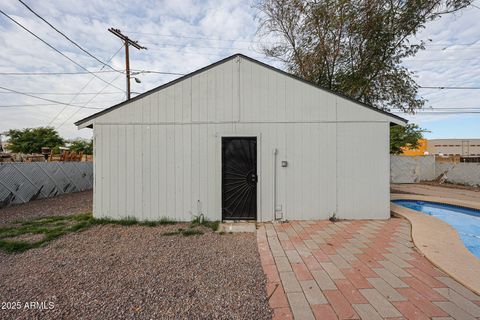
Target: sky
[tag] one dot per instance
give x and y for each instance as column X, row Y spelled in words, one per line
column 182, row 36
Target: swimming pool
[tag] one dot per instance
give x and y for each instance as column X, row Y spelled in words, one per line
column 465, row 221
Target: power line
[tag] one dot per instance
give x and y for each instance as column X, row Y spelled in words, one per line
column 84, row 86
column 71, row 116
column 445, row 46
column 183, row 52
column 52, row 73
column 49, row 100
column 158, row 72
column 453, row 108
column 448, row 48
column 456, row 60
column 449, row 88
column 195, row 38
column 445, row 109
column 189, row 46
column 192, row 47
column 56, row 50
column 474, row 43
column 446, row 42
column 443, row 112
column 83, row 73
column 62, row 93
column 66, row 37
column 49, row 104
column 43, row 105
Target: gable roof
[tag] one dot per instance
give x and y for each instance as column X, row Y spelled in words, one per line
column 140, row 96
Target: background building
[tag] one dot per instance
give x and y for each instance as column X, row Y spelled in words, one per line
column 454, row 147
column 420, row 151
column 447, row 150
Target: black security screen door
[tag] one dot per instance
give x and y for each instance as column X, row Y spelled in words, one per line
column 239, row 178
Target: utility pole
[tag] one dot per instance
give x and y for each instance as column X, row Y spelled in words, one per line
column 127, row 41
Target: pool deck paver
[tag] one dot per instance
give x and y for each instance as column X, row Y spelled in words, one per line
column 356, row 270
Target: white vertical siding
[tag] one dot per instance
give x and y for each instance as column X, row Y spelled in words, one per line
column 363, row 167
column 159, row 156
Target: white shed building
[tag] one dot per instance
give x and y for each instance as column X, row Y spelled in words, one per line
column 240, row 139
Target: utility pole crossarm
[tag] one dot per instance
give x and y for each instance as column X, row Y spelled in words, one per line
column 127, row 42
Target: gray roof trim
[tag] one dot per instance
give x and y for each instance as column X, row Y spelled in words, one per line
column 140, row 96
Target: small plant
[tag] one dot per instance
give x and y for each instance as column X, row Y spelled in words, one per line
column 15, row 246
column 200, row 220
column 154, row 223
column 191, row 232
column 149, row 223
column 166, row 220
column 184, row 232
column 102, row 221
column 171, row 233
column 24, row 235
column 128, row 221
column 333, row 217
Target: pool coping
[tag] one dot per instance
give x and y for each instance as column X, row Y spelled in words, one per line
column 439, row 242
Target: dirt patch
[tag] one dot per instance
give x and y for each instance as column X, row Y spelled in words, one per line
column 125, row 272
column 66, row 204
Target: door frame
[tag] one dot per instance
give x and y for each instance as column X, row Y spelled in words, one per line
column 258, row 136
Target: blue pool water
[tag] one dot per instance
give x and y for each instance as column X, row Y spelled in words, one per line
column 465, row 221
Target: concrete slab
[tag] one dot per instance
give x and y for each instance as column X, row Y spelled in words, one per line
column 237, row 227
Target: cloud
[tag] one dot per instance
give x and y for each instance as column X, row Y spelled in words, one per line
column 450, row 59
column 181, row 36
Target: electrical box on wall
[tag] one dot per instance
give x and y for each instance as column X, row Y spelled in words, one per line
column 284, row 163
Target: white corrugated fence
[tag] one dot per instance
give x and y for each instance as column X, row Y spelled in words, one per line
column 26, row 181
column 404, row 169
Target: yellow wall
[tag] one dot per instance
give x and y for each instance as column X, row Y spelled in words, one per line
column 420, row 151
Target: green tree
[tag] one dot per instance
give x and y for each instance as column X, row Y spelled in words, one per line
column 408, row 136
column 84, row 145
column 31, row 140
column 353, row 47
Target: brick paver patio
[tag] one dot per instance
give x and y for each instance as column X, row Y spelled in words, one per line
column 356, row 270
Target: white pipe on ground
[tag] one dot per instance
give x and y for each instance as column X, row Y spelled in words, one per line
column 275, row 152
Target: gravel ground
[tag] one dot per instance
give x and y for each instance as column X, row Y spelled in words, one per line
column 120, row 272
column 66, row 204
